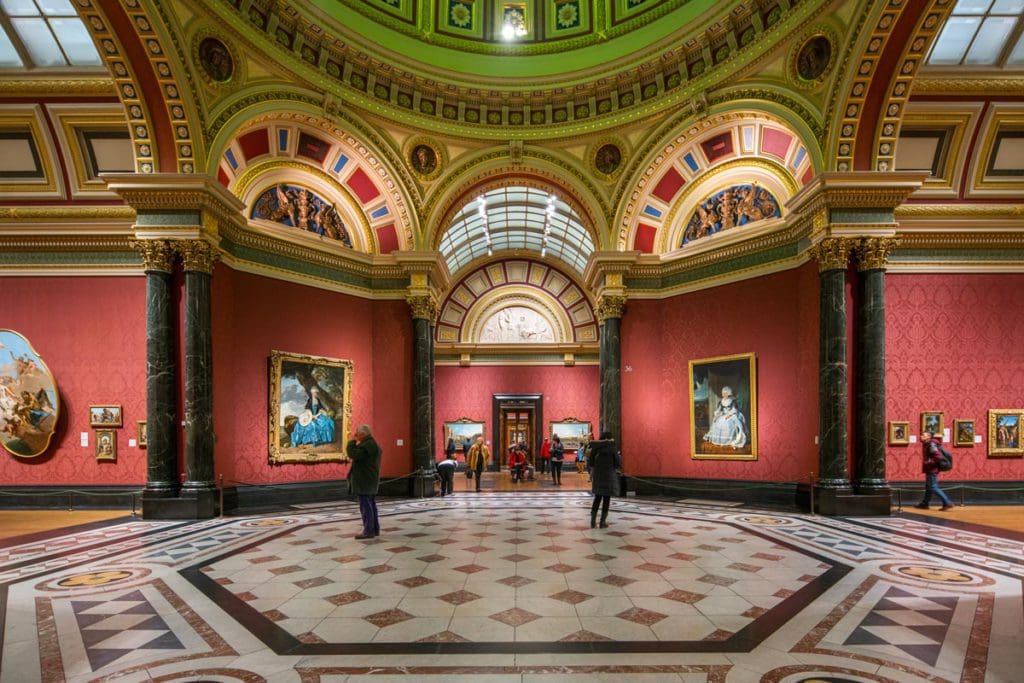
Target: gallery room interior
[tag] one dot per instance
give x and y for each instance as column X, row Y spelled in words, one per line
column 765, row 244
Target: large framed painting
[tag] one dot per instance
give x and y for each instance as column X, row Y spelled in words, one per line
column 934, row 422
column 571, row 432
column 1004, row 432
column 310, row 407
column 723, row 408
column 29, row 401
column 462, row 429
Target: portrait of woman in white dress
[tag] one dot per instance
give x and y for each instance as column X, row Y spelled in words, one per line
column 728, row 426
column 723, row 407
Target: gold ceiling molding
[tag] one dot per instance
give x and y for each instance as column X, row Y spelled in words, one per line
column 962, row 84
column 965, row 239
column 65, row 243
column 66, row 214
column 980, row 211
column 12, row 86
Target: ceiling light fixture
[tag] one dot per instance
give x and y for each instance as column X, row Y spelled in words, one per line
column 514, row 25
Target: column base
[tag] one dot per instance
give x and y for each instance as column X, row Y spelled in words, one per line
column 422, row 486
column 200, row 504
column 842, row 502
column 872, row 486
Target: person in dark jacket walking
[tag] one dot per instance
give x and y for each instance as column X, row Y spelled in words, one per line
column 603, row 463
column 557, row 455
column 364, row 478
column 931, row 450
column 449, row 450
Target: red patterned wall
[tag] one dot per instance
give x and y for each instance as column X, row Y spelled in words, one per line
column 91, row 332
column 467, row 392
column 255, row 315
column 954, row 344
column 776, row 318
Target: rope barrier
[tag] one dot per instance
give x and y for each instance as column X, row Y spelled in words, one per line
column 69, row 491
column 768, row 485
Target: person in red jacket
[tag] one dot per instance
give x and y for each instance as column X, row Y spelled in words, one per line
column 545, row 455
column 931, row 450
column 516, row 463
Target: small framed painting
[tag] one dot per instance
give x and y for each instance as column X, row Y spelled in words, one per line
column 963, row 432
column 932, row 421
column 105, row 416
column 106, row 445
column 571, row 432
column 899, row 433
column 1004, row 432
column 462, row 430
column 143, row 435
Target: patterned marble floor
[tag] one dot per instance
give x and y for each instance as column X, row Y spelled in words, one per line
column 515, row 587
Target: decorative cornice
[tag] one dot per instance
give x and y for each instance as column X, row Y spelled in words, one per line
column 610, row 306
column 963, row 241
column 856, row 190
column 832, row 253
column 197, row 256
column 872, row 253
column 979, row 211
column 423, row 307
column 157, row 255
column 962, row 84
column 157, row 192
column 65, row 243
column 11, row 86
column 66, row 214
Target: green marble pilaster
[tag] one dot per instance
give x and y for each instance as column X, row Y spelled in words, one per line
column 161, row 396
column 610, row 309
column 423, row 312
column 199, row 486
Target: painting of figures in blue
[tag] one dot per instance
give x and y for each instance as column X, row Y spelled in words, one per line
column 732, row 207
column 29, row 404
column 298, row 207
column 310, row 406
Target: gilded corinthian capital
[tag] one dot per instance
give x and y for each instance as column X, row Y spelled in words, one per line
column 423, row 307
column 610, row 306
column 198, row 256
column 873, row 252
column 157, row 255
column 832, row 253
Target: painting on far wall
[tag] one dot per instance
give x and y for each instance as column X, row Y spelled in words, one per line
column 462, row 429
column 29, row 402
column 571, row 432
column 933, row 421
column 1004, row 432
column 723, row 408
column 310, row 407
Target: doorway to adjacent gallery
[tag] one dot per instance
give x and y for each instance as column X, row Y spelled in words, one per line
column 517, row 417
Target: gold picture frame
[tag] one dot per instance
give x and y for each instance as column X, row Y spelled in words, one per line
column 106, row 445
column 310, row 408
column 899, row 433
column 106, row 415
column 1004, row 431
column 963, row 432
column 721, row 429
column 143, row 434
column 462, row 429
column 571, row 432
column 933, row 421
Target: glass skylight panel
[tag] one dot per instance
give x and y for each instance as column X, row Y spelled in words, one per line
column 1017, row 56
column 991, row 40
column 39, row 41
column 76, row 41
column 20, row 8
column 954, row 40
column 972, row 6
column 56, row 8
column 8, row 53
column 1008, row 7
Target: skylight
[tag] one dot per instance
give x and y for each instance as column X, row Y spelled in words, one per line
column 516, row 218
column 44, row 33
column 981, row 33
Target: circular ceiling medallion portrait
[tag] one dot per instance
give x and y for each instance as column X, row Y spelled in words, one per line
column 606, row 157
column 425, row 159
column 216, row 60
column 811, row 62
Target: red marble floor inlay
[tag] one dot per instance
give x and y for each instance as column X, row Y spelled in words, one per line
column 807, row 577
column 345, row 559
column 477, row 549
column 470, row 569
column 685, row 557
column 482, row 534
column 443, row 637
column 682, row 596
column 414, row 581
column 632, row 548
column 783, row 593
column 653, row 567
column 572, row 597
column 639, row 615
column 265, row 559
column 550, row 534
column 561, row 568
column 447, row 541
column 516, row 558
column 616, row 580
column 347, row 598
column 310, row 638
column 616, row 533
column 516, row 541
column 755, row 612
column 555, row 548
column 290, row 569
column 313, row 583
column 460, row 597
column 388, row 617
column 379, row 569
column 719, row 634
column 400, row 549
column 432, row 558
column 322, row 549
column 710, row 548
column 515, row 617
column 658, row 539
column 246, row 596
column 599, row 557
column 584, row 636
column 515, row 581
column 767, row 556
column 275, row 615
column 224, row 581
column 684, row 534
column 416, row 534
column 731, row 539
column 744, row 567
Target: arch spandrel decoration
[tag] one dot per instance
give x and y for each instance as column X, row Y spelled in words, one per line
column 511, row 301
column 329, row 163
column 733, row 207
column 724, row 150
column 298, row 207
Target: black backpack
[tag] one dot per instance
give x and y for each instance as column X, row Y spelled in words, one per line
column 945, row 460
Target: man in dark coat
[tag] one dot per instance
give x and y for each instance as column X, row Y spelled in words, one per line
column 603, row 463
column 364, row 478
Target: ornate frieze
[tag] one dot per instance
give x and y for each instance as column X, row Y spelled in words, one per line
column 197, row 255
column 872, row 253
column 156, row 254
column 423, row 307
column 610, row 306
column 832, row 253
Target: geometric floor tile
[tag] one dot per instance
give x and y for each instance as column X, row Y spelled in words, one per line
column 914, row 624
column 112, row 629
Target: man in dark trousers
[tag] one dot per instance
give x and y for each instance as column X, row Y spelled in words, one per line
column 931, row 450
column 604, row 465
column 364, row 478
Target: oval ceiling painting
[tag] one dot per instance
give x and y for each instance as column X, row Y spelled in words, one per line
column 29, row 405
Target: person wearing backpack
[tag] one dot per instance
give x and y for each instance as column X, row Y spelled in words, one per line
column 932, row 453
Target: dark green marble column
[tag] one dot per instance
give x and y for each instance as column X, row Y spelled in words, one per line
column 833, row 459
column 161, row 396
column 610, row 308
column 199, row 486
column 423, row 313
column 870, row 354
